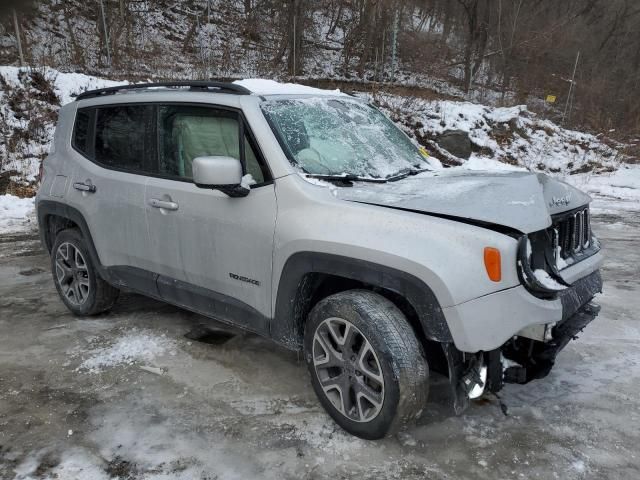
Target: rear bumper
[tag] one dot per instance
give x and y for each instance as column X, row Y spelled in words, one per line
column 488, row 322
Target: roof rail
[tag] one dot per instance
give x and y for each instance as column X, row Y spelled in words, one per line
column 205, row 86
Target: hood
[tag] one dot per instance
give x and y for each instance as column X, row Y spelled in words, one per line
column 518, row 200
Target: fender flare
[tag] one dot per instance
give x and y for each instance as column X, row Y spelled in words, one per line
column 288, row 327
column 47, row 208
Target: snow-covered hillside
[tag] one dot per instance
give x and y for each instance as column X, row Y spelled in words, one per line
column 502, row 137
column 514, row 136
column 176, row 39
column 498, row 138
column 29, row 103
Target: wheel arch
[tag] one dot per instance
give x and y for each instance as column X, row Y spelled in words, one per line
column 54, row 217
column 307, row 277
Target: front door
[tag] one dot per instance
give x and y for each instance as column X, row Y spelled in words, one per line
column 213, row 252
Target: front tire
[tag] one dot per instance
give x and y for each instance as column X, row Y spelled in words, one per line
column 366, row 364
column 76, row 278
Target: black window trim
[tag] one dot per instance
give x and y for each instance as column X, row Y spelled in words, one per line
column 243, row 126
column 280, row 138
column 90, row 132
column 92, row 139
column 156, row 135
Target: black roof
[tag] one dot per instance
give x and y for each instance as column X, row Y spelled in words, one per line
column 195, row 85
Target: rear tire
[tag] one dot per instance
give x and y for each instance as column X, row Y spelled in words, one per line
column 359, row 342
column 80, row 287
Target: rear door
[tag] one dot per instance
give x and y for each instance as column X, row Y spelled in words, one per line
column 213, row 252
column 114, row 150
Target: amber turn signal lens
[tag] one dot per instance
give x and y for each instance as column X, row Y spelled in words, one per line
column 492, row 263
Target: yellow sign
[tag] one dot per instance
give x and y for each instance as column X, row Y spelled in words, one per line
column 551, row 98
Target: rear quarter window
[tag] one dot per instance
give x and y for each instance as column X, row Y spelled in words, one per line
column 81, row 131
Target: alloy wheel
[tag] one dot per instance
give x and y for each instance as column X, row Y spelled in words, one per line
column 348, row 369
column 72, row 274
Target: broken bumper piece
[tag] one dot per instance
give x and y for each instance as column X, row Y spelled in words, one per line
column 522, row 358
column 530, row 360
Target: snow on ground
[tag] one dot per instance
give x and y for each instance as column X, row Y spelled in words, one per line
column 482, row 163
column 133, row 347
column 16, row 214
column 75, row 464
column 619, row 190
column 245, row 409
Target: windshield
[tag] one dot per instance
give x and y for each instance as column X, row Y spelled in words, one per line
column 329, row 136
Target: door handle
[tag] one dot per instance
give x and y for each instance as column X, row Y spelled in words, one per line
column 164, row 204
column 84, row 187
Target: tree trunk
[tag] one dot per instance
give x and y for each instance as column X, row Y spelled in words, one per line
column 334, row 24
column 468, row 54
column 296, row 34
column 446, row 24
column 482, row 38
column 471, row 10
column 77, row 51
column 368, row 25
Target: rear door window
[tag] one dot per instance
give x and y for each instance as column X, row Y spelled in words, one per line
column 124, row 138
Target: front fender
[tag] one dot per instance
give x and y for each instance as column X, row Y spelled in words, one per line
column 288, row 327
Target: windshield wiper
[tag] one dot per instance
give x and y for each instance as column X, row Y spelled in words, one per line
column 406, row 172
column 347, row 178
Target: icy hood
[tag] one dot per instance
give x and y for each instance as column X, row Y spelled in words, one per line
column 520, row 200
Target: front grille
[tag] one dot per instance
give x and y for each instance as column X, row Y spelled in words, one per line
column 567, row 241
column 571, row 233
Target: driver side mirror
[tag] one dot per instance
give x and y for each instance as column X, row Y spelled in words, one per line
column 219, row 173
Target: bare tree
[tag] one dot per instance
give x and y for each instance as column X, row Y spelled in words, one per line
column 476, row 15
column 521, row 48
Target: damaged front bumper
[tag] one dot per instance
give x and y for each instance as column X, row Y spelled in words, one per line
column 488, row 322
column 521, row 359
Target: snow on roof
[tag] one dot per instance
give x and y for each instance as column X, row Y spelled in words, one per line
column 262, row 86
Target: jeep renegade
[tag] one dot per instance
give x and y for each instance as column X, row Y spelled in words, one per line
column 311, row 219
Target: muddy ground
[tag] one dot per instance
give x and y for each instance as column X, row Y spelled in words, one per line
column 127, row 396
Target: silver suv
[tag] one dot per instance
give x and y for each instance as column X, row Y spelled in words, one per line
column 308, row 217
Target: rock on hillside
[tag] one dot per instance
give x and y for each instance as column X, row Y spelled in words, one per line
column 513, row 136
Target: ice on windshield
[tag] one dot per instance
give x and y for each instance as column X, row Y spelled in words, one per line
column 330, row 136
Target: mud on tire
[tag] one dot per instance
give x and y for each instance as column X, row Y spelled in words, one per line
column 397, row 353
column 70, row 261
